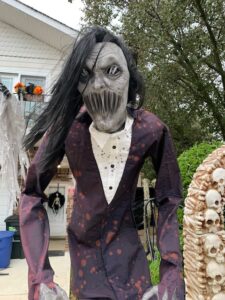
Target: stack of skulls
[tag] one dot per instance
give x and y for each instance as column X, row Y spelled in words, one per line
column 204, row 234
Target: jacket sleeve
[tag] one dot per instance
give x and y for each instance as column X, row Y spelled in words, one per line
column 168, row 197
column 34, row 225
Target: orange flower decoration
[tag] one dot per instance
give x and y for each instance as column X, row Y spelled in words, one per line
column 38, row 90
column 19, row 86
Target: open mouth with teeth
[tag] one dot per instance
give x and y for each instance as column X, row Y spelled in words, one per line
column 105, row 104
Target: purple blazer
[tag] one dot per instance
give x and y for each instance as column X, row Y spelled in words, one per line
column 108, row 259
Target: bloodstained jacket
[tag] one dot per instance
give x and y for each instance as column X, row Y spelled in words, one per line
column 108, row 260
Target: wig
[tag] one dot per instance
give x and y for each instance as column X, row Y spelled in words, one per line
column 66, row 100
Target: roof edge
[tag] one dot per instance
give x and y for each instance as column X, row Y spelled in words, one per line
column 41, row 16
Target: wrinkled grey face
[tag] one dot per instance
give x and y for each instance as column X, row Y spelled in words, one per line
column 104, row 84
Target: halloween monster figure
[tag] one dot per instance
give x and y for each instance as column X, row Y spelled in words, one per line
column 95, row 119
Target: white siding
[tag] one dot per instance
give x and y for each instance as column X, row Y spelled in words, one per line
column 22, row 54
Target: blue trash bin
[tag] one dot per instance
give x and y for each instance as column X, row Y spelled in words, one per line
column 5, row 247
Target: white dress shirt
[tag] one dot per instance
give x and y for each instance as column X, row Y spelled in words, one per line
column 111, row 151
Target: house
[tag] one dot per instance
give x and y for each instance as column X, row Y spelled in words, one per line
column 33, row 49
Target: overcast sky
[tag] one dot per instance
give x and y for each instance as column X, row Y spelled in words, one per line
column 62, row 10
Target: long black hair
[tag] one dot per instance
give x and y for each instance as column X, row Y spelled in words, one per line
column 66, row 100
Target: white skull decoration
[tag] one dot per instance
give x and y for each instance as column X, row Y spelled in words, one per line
column 214, row 247
column 220, row 296
column 218, row 176
column 215, row 275
column 213, row 200
column 212, row 220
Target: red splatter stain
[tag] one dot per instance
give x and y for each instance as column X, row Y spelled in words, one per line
column 81, row 195
column 81, row 273
column 109, row 237
column 88, row 216
column 97, row 243
column 142, row 145
column 171, row 255
column 136, row 158
column 41, row 215
column 93, row 270
column 119, row 251
column 138, row 286
column 77, row 173
column 83, row 262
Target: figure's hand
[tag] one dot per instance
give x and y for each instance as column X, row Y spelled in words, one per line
column 153, row 294
column 51, row 292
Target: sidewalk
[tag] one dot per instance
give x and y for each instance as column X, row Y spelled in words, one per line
column 14, row 285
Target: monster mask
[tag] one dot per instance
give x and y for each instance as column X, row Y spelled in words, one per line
column 104, row 83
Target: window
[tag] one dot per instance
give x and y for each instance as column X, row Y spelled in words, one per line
column 9, row 80
column 33, row 79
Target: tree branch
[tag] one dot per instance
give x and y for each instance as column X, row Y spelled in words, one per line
column 213, row 41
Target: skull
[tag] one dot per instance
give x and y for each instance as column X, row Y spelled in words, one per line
column 220, row 296
column 215, row 275
column 218, row 176
column 212, row 220
column 214, row 248
column 213, row 200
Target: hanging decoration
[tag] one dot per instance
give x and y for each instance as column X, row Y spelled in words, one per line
column 12, row 126
column 56, row 201
column 28, row 90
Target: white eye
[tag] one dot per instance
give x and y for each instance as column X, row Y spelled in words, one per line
column 113, row 70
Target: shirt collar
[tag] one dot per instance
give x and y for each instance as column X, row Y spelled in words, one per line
column 101, row 138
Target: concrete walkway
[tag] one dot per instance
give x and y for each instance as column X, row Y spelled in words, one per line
column 14, row 285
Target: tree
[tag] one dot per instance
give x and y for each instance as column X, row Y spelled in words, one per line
column 180, row 47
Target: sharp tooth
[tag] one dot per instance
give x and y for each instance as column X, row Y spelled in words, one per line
column 95, row 104
column 107, row 103
column 115, row 101
column 99, row 102
column 111, row 102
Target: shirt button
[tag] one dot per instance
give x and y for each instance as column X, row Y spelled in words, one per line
column 114, row 147
column 110, row 187
column 112, row 166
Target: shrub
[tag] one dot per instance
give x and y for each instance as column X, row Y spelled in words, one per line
column 190, row 159
column 154, row 268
